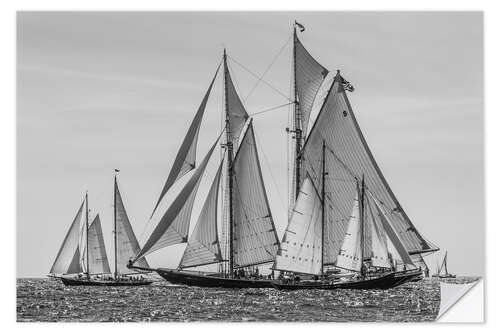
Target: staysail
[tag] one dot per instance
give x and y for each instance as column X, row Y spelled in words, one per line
column 185, row 160
column 254, row 236
column 65, row 260
column 350, row 158
column 349, row 256
column 379, row 253
column 309, row 75
column 203, row 246
column 391, row 233
column 98, row 260
column 301, row 245
column 174, row 225
column 127, row 246
column 237, row 115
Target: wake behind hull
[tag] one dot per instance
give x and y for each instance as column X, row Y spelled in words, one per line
column 200, row 280
column 95, row 283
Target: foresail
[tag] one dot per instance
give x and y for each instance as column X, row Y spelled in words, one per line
column 98, row 260
column 348, row 159
column 127, row 246
column 65, row 256
column 301, row 245
column 74, row 266
column 309, row 75
column 235, row 110
column 203, row 246
column 398, row 245
column 185, row 160
column 174, row 225
column 378, row 251
column 254, row 236
column 349, row 256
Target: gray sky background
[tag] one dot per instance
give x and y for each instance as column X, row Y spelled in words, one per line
column 98, row 91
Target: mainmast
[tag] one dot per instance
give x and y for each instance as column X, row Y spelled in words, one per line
column 114, row 226
column 297, row 130
column 323, row 209
column 87, row 231
column 229, row 147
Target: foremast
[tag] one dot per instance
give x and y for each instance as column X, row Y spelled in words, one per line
column 87, row 233
column 297, row 129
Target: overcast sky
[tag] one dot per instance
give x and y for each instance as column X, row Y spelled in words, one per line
column 98, row 91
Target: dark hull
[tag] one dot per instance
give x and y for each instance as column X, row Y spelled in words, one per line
column 112, row 283
column 382, row 282
column 409, row 276
column 200, row 280
column 449, row 276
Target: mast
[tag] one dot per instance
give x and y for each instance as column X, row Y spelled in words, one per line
column 362, row 224
column 297, row 119
column 323, row 209
column 114, row 226
column 229, row 146
column 87, row 231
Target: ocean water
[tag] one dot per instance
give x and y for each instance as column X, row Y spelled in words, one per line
column 50, row 300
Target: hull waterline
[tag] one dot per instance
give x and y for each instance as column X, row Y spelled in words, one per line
column 67, row 281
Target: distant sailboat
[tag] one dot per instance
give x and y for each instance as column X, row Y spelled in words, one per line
column 92, row 267
column 442, row 270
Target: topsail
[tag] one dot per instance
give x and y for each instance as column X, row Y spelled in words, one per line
column 185, row 160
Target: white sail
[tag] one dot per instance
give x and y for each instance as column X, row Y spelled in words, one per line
column 174, row 225
column 309, row 75
column 235, row 110
column 348, row 158
column 127, row 246
column 391, row 233
column 98, row 260
column 301, row 245
column 185, row 160
column 65, row 259
column 349, row 256
column 254, row 236
column 379, row 254
column 203, row 246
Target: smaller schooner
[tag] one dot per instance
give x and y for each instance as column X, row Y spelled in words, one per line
column 442, row 271
column 90, row 267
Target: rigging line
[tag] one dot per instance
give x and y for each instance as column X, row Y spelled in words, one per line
column 270, row 109
column 265, row 82
column 269, row 67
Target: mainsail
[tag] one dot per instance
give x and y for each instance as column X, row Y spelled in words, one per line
column 301, row 245
column 185, row 160
column 174, row 225
column 337, row 126
column 98, row 260
column 309, row 75
column 349, row 256
column 254, row 236
column 127, row 246
column 237, row 115
column 68, row 257
column 203, row 246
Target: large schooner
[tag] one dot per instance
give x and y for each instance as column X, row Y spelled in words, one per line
column 92, row 267
column 346, row 228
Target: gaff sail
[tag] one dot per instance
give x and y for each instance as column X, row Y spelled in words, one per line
column 337, row 126
column 203, row 246
column 98, row 260
column 174, row 225
column 127, row 246
column 65, row 262
column 185, row 160
column 349, row 256
column 254, row 236
column 235, row 110
column 301, row 245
